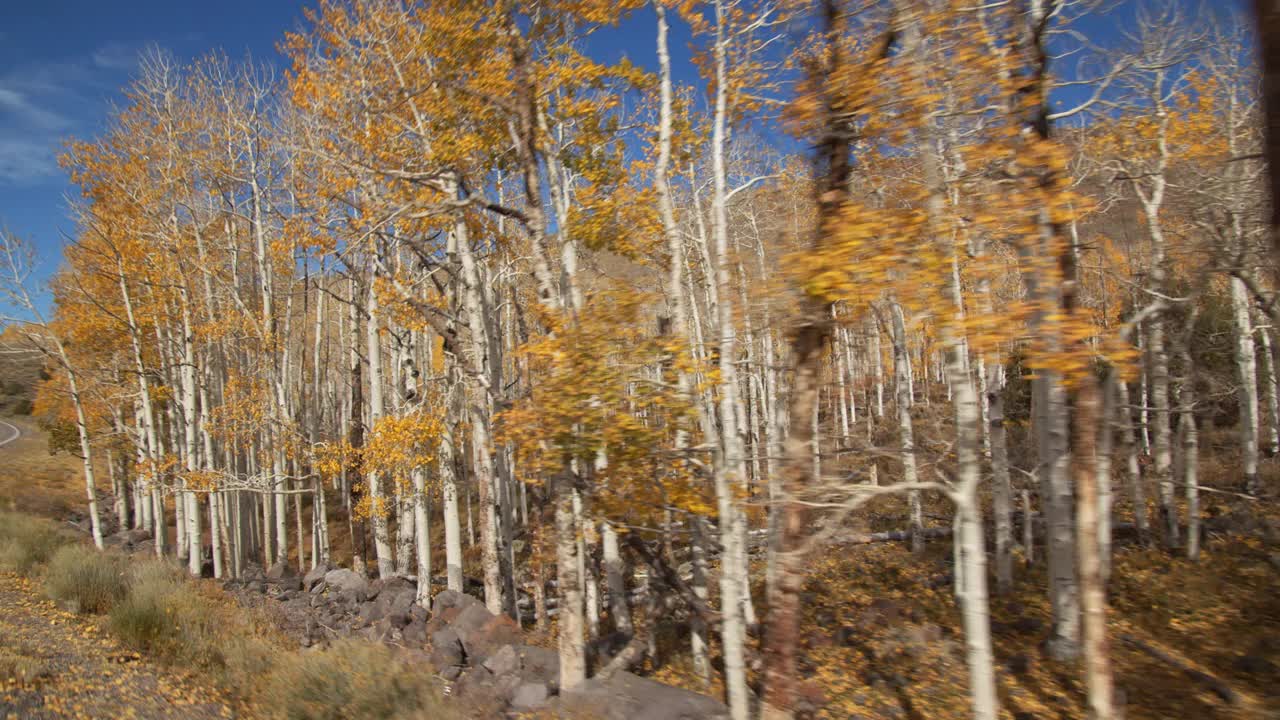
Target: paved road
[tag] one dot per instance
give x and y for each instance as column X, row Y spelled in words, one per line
column 16, row 433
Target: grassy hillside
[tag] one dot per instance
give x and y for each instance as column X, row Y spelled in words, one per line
column 20, row 373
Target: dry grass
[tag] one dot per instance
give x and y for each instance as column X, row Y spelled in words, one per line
column 36, row 482
column 354, row 680
column 86, row 580
column 26, row 541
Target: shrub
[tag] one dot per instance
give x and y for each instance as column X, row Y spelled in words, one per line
column 353, row 679
column 85, row 579
column 28, row 541
column 177, row 621
column 166, row 617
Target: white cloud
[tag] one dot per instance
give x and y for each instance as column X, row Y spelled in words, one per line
column 17, row 105
column 25, row 161
column 116, row 56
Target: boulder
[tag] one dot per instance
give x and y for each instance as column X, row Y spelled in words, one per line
column 372, row 612
column 539, row 665
column 414, row 633
column 482, row 688
column 629, row 697
column 130, row 539
column 349, row 600
column 503, row 661
column 279, row 571
column 391, row 584
column 483, row 633
column 347, row 581
column 447, row 606
column 315, row 575
column 395, row 600
column 529, row 697
column 446, row 650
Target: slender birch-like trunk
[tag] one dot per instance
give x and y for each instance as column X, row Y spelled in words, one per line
column 377, row 407
column 1246, row 359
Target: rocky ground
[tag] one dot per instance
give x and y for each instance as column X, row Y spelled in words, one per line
column 481, row 656
column 57, row 664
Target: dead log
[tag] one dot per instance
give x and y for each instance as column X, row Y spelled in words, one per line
column 1219, row 688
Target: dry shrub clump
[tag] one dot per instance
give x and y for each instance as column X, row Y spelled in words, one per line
column 26, row 541
column 354, row 680
column 184, row 622
column 86, row 580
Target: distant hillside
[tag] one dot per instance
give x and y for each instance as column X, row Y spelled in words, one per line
column 20, row 373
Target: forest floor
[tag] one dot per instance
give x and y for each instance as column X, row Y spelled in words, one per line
column 58, row 664
column 881, row 635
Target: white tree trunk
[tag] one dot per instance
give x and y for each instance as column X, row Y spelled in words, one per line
column 378, row 514
column 1247, row 375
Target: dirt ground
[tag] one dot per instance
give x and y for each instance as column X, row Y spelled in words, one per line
column 56, row 664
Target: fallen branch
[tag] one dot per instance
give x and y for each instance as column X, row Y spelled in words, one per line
column 1218, row 687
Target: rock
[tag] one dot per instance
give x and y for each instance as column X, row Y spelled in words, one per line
column 446, row 649
column 315, row 576
column 528, row 697
column 395, row 600
column 256, row 586
column 503, row 661
column 372, row 612
column 349, row 599
column 630, row 697
column 347, row 581
column 291, row 583
column 609, row 645
column 380, row 631
column 451, row 673
column 130, row 539
column 482, row 633
column 452, row 599
column 539, row 665
column 399, row 620
column 481, row 687
column 391, row 584
column 279, row 571
column 415, row 633
column 447, row 606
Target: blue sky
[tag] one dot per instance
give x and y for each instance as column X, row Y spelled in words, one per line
column 63, row 63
